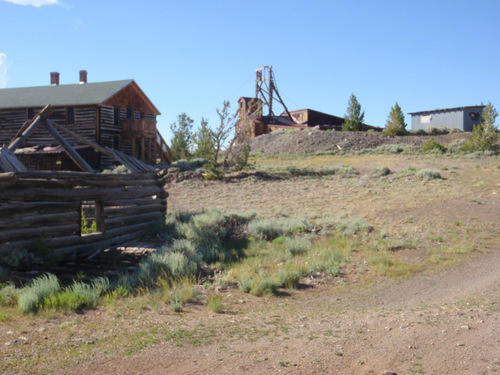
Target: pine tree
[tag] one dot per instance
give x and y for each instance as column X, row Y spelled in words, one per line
column 484, row 135
column 395, row 124
column 181, row 141
column 354, row 117
column 203, row 141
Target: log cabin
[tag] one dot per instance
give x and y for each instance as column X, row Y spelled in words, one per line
column 114, row 114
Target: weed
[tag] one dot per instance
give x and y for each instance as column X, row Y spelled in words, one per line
column 381, row 171
column 288, row 278
column 263, row 286
column 176, row 306
column 353, row 226
column 429, row 174
column 8, row 295
column 245, row 285
column 297, row 245
column 4, row 317
column 215, row 303
column 31, row 298
column 433, row 145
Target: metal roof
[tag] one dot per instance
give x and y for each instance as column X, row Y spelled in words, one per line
column 446, row 109
column 60, row 95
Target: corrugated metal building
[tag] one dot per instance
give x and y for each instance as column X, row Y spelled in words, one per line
column 463, row 118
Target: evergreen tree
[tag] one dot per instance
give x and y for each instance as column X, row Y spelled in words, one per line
column 354, row 117
column 484, row 135
column 395, row 124
column 182, row 133
column 203, row 141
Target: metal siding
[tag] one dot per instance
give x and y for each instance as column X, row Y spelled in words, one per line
column 448, row 119
column 469, row 123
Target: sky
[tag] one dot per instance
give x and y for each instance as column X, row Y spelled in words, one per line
column 189, row 56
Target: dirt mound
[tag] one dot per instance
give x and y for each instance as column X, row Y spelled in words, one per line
column 311, row 141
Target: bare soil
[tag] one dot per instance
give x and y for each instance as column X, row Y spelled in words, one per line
column 311, row 141
column 444, row 320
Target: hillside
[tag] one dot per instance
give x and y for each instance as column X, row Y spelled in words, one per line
column 312, row 141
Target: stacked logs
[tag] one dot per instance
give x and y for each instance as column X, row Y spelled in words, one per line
column 48, row 205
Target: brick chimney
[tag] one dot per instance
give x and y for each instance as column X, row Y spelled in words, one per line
column 83, row 77
column 54, row 78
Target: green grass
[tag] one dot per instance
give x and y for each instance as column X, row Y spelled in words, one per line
column 215, row 303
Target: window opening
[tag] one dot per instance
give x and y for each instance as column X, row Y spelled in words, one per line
column 116, row 116
column 91, row 218
column 70, row 115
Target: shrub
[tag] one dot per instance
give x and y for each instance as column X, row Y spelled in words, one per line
column 182, row 165
column 297, row 171
column 176, row 306
column 263, row 286
column 31, row 298
column 339, row 169
column 288, row 278
column 429, row 174
column 353, row 226
column 432, row 144
column 78, row 295
column 8, row 295
column 245, row 285
column 397, row 149
column 173, row 170
column 265, row 229
column 299, row 245
column 293, row 226
column 215, row 303
column 116, row 170
column 381, row 171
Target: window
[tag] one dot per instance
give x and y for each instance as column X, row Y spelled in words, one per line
column 129, row 112
column 116, row 116
column 425, row 119
column 31, row 113
column 70, row 115
column 141, row 115
column 91, row 219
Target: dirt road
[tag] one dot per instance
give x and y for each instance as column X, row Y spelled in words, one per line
column 445, row 322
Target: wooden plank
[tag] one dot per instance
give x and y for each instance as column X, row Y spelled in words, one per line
column 80, row 138
column 43, row 114
column 74, row 195
column 75, row 156
column 10, row 158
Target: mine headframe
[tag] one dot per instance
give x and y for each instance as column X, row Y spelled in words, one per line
column 267, row 90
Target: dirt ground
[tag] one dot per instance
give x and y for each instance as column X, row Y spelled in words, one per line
column 310, row 141
column 444, row 320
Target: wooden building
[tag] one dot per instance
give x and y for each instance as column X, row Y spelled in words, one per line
column 251, row 118
column 115, row 114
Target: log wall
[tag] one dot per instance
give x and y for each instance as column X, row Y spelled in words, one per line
column 48, row 204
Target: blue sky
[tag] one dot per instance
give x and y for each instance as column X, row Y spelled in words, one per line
column 189, row 56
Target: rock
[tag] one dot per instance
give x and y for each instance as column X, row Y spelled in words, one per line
column 388, row 372
column 465, row 327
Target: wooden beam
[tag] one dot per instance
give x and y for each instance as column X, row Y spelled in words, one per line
column 80, row 138
column 75, row 156
column 42, row 115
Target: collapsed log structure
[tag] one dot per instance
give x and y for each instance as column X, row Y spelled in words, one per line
column 50, row 208
column 48, row 205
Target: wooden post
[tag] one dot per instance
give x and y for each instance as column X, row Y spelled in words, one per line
column 75, row 156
